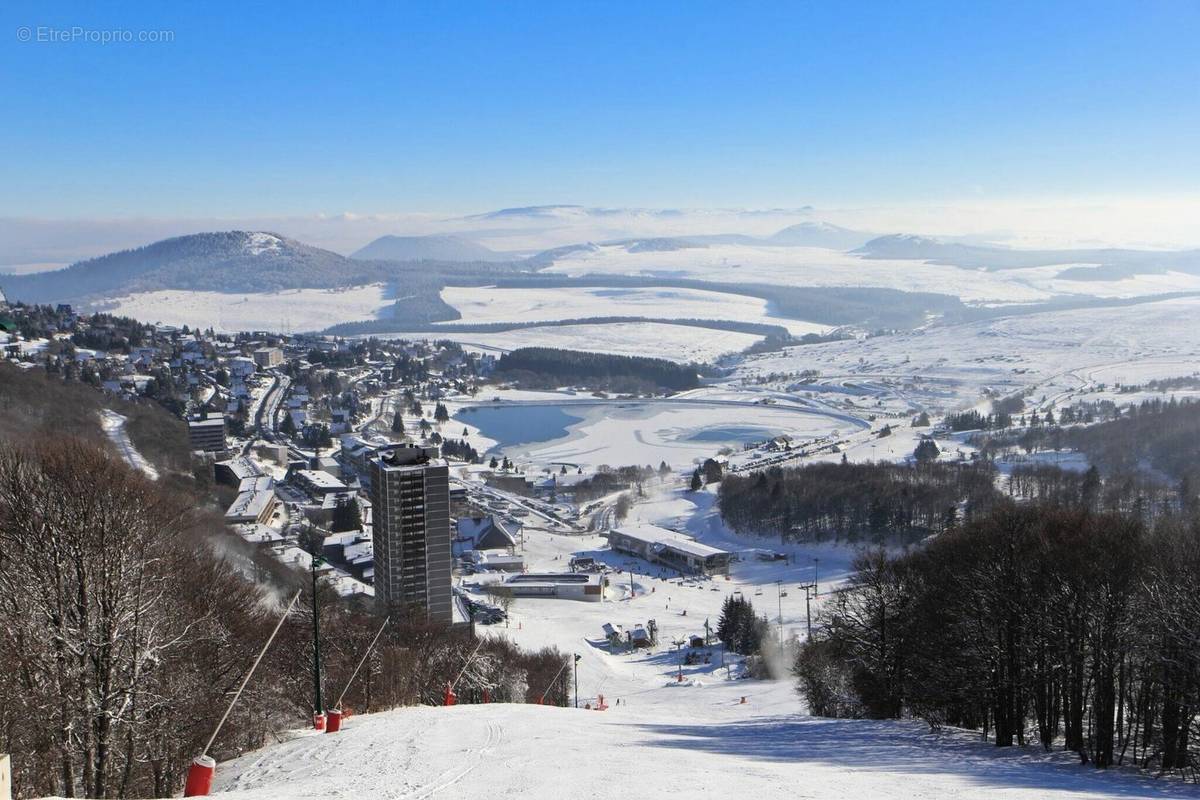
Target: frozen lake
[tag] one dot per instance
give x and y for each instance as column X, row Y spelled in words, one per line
column 591, row 433
column 512, row 425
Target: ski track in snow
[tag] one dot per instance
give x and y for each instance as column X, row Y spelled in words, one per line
column 114, row 428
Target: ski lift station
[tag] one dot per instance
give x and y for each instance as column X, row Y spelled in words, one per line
column 676, row 550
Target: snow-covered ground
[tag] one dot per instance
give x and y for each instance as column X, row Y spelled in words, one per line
column 707, row 745
column 813, row 266
column 288, row 311
column 490, row 304
column 681, row 343
column 948, row 368
column 114, row 428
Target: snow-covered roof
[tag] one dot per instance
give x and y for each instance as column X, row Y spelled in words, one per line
column 654, row 535
column 486, row 532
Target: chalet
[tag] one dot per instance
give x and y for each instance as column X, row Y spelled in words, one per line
column 487, row 533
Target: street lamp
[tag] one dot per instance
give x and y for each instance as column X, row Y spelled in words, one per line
column 577, row 657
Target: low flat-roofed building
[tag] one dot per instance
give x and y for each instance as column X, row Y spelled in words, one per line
column 495, row 561
column 669, row 548
column 561, row 585
column 317, row 483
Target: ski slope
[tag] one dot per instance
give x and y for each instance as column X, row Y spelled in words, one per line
column 710, row 746
column 696, row 738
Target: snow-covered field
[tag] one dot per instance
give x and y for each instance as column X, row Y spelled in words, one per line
column 287, row 311
column 812, row 266
column 541, row 305
column 948, row 368
column 681, row 343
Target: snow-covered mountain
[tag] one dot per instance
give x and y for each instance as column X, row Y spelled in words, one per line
column 426, row 248
column 244, row 261
column 819, row 234
column 1099, row 264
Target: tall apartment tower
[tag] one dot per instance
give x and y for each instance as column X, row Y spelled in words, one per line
column 410, row 499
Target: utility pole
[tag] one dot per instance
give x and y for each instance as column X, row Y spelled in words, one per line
column 779, row 589
column 807, row 608
column 318, row 705
column 816, row 584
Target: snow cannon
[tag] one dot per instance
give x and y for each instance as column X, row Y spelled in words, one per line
column 318, row 721
column 200, row 777
column 449, row 698
column 335, row 721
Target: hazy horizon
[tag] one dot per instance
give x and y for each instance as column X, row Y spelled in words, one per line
column 1029, row 126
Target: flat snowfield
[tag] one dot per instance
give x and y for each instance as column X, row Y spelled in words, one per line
column 683, row 344
column 287, row 311
column 543, row 305
column 814, row 266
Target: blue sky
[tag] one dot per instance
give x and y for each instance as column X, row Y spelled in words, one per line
column 260, row 109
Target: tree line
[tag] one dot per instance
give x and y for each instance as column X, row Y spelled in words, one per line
column 546, row 366
column 128, row 616
column 855, row 502
column 1075, row 628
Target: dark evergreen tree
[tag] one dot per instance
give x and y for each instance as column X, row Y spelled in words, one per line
column 927, row 451
column 346, row 516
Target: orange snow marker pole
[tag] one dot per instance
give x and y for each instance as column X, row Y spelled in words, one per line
column 200, row 773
